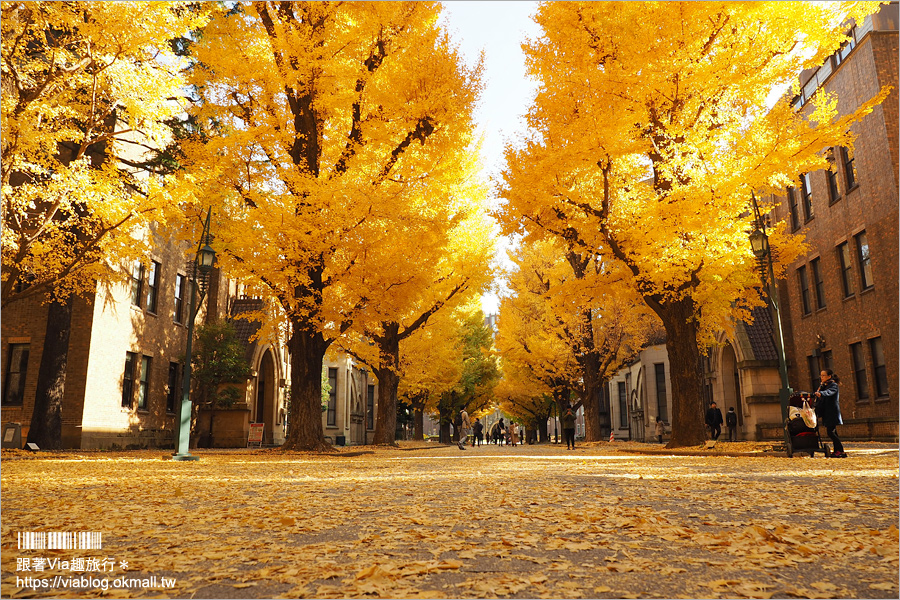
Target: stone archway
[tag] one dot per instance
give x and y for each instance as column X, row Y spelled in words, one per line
column 266, row 388
column 731, row 383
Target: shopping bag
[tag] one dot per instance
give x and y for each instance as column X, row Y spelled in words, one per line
column 808, row 414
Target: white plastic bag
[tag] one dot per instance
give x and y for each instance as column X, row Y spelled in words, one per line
column 808, row 414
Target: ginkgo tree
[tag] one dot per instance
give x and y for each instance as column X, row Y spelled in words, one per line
column 87, row 90
column 647, row 140
column 336, row 124
column 416, row 286
column 571, row 322
column 430, row 364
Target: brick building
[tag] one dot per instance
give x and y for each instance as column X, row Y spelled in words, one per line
column 840, row 305
column 125, row 358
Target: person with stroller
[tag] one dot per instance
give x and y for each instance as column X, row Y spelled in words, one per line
column 828, row 409
column 714, row 421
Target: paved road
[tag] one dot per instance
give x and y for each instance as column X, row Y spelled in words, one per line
column 526, row 522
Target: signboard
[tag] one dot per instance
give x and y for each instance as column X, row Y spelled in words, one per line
column 256, row 434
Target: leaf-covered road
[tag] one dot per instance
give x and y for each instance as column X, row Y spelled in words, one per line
column 438, row 522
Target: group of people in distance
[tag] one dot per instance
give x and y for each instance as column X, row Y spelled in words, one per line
column 828, row 410
column 500, row 433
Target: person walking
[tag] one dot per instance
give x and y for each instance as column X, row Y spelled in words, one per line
column 828, row 408
column 464, row 426
column 477, row 432
column 714, row 420
column 501, row 432
column 568, row 425
column 731, row 422
column 514, row 434
column 660, row 429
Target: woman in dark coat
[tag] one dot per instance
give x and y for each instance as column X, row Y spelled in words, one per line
column 828, row 408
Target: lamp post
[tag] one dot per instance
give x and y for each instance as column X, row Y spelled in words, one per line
column 759, row 242
column 203, row 263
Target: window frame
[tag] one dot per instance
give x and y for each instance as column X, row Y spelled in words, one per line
column 803, row 283
column 143, row 400
column 331, row 411
column 153, row 278
column 793, row 207
column 851, row 182
column 180, row 286
column 662, row 399
column 865, row 261
column 137, row 284
column 172, row 387
column 806, row 193
column 812, row 363
column 623, row 406
column 834, row 192
column 879, row 368
column 846, row 264
column 128, row 380
column 20, row 375
column 818, row 283
column 860, row 378
column 370, row 406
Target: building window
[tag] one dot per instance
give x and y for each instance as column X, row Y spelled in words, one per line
column 144, row 383
column 849, row 169
column 846, row 269
column 806, row 193
column 137, row 282
column 153, row 286
column 804, row 290
column 623, row 406
column 370, row 407
column 792, row 203
column 662, row 405
column 859, row 371
column 819, row 282
column 128, row 380
column 834, row 193
column 865, row 261
column 16, row 371
column 178, row 315
column 172, row 387
column 876, row 350
column 827, row 360
column 813, row 363
column 332, row 398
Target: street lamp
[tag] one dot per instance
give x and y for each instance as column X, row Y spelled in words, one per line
column 200, row 269
column 759, row 242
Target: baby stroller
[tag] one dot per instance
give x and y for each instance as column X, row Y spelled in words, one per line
column 799, row 436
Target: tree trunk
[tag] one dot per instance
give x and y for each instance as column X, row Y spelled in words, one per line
column 542, row 431
column 46, row 419
column 688, row 428
column 589, row 361
column 388, row 382
column 307, row 350
column 445, row 430
column 419, row 425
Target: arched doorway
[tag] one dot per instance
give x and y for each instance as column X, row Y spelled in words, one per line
column 264, row 411
column 731, row 383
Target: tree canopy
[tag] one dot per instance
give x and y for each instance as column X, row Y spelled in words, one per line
column 647, row 140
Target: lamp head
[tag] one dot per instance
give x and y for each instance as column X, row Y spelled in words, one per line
column 759, row 242
column 207, row 258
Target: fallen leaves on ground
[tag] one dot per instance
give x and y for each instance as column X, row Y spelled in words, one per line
column 535, row 522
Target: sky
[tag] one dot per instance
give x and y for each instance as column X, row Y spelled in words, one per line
column 499, row 29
